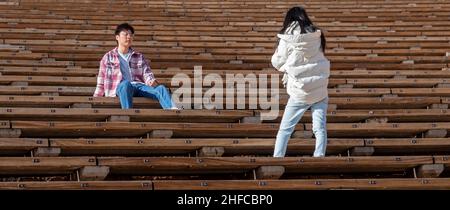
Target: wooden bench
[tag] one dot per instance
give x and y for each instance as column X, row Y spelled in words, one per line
column 48, row 71
column 89, row 91
column 385, row 129
column 20, row 146
column 381, row 116
column 421, row 91
column 43, row 165
column 48, row 80
column 170, row 72
column 415, row 83
column 357, row 83
column 409, row 146
column 142, row 129
column 193, row 146
column 292, row 184
column 444, row 160
column 305, row 184
column 389, row 74
column 381, row 66
column 229, row 146
column 139, row 102
column 252, row 146
column 383, row 102
column 43, row 63
column 23, row 55
column 77, row 185
column 308, row 165
column 46, row 90
column 147, row 115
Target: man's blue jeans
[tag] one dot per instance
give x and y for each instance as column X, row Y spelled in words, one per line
column 127, row 90
column 292, row 115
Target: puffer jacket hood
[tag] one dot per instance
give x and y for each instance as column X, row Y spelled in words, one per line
column 306, row 68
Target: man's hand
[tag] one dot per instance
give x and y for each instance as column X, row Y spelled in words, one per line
column 154, row 84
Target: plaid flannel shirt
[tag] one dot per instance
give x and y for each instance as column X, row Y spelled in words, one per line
column 109, row 75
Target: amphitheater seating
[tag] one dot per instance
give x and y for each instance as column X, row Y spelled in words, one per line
column 387, row 118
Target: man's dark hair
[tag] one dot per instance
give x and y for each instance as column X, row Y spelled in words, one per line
column 124, row 27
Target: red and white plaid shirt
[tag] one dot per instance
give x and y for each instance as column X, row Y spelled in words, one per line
column 109, row 75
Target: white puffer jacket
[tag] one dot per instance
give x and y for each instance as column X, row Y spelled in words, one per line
column 306, row 68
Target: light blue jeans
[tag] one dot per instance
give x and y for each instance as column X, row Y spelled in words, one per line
column 126, row 90
column 292, row 115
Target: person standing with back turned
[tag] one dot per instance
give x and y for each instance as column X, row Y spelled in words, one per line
column 300, row 56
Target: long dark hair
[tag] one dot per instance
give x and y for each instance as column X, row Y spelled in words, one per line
column 299, row 15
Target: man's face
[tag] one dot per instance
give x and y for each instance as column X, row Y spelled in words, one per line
column 125, row 38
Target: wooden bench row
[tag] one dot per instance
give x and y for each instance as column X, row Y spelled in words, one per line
column 436, row 32
column 151, row 115
column 170, row 72
column 23, row 55
column 139, row 18
column 262, row 27
column 92, row 81
column 216, row 147
column 292, row 184
column 26, row 31
column 365, row 184
column 84, row 51
column 256, row 54
column 266, row 23
column 416, row 4
column 239, row 4
column 233, row 130
column 244, row 42
column 372, row 14
column 395, row 82
column 144, row 103
column 30, row 32
column 98, row 168
column 234, row 64
column 333, row 92
column 208, row 57
column 157, row 115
